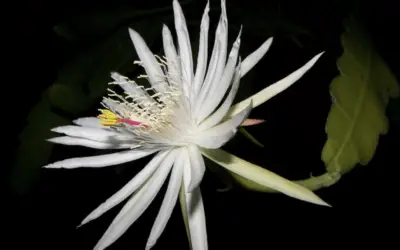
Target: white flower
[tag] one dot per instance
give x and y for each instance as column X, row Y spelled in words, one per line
column 183, row 115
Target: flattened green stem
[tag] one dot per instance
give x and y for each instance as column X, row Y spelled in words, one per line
column 312, row 183
column 261, row 176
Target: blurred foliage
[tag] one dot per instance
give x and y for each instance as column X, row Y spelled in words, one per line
column 80, row 83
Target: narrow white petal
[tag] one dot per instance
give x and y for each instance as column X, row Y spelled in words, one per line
column 135, row 207
column 215, row 141
column 196, row 166
column 197, row 220
column 253, row 58
column 185, row 49
column 129, row 86
column 128, row 189
column 274, row 89
column 218, row 115
column 92, row 122
column 102, row 160
column 223, row 50
column 114, row 106
column 187, row 170
column 230, row 124
column 203, row 52
column 150, row 64
column 73, row 141
column 174, row 66
column 168, row 203
column 217, row 136
column 91, row 133
column 262, row 176
column 218, row 89
column 218, row 59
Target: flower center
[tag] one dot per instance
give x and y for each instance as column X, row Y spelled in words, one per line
column 142, row 109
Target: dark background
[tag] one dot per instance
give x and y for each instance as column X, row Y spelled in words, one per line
column 46, row 215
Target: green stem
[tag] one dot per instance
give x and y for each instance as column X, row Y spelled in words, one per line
column 312, row 183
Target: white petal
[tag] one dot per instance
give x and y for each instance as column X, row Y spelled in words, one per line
column 135, row 207
column 203, row 52
column 274, row 89
column 73, row 141
column 129, row 86
column 253, row 58
column 196, row 168
column 150, row 64
column 218, row 115
column 218, row 89
column 230, row 124
column 128, row 189
column 185, row 49
column 114, row 106
column 174, row 66
column 217, row 136
column 218, row 59
column 262, row 176
column 95, row 134
column 102, row 160
column 92, row 122
column 197, row 220
column 168, row 203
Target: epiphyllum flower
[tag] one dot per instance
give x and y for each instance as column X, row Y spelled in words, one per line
column 183, row 115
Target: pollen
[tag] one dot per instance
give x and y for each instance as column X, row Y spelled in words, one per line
column 107, row 118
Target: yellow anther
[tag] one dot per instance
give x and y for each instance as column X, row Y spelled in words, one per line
column 107, row 117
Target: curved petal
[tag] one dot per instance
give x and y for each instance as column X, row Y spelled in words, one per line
column 128, row 189
column 195, row 168
column 217, row 136
column 203, row 53
column 102, row 160
column 73, row 141
column 230, row 124
column 274, row 89
column 196, row 220
column 185, row 49
column 168, row 203
column 218, row 60
column 174, row 66
column 218, row 89
column 150, row 64
column 253, row 58
column 135, row 207
column 218, row 115
column 95, row 134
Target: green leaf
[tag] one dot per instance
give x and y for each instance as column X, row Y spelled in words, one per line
column 34, row 151
column 360, row 96
column 261, row 176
